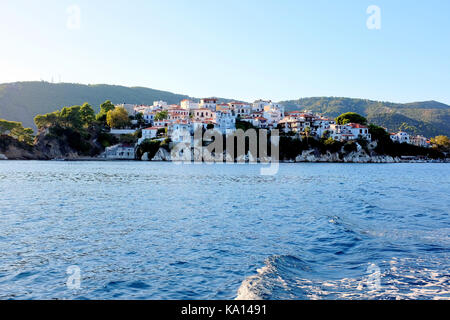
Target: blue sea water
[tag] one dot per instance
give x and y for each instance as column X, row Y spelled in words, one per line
column 141, row 230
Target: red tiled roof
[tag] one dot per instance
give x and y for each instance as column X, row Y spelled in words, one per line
column 357, row 125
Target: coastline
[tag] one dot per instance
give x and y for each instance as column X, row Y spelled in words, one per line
column 262, row 163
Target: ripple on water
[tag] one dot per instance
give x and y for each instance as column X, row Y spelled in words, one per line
column 162, row 231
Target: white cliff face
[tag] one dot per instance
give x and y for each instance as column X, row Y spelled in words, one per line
column 354, row 157
column 145, row 157
column 162, row 155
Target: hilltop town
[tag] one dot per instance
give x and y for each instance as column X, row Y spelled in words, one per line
column 150, row 132
column 162, row 121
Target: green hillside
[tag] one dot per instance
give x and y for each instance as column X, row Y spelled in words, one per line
column 429, row 118
column 22, row 101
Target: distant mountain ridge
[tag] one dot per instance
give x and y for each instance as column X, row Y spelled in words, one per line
column 428, row 118
column 22, row 101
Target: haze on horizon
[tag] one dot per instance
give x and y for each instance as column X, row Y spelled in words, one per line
column 278, row 50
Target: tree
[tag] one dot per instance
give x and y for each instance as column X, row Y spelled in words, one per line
column 140, row 119
column 87, row 114
column 71, row 117
column 378, row 133
column 163, row 115
column 161, row 131
column 23, row 134
column 118, row 118
column 17, row 131
column 351, row 117
column 441, row 143
column 47, row 120
column 105, row 107
column 6, row 126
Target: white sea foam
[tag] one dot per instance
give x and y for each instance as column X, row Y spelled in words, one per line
column 403, row 279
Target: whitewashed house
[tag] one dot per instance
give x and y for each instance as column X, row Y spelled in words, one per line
column 159, row 104
column 349, row 131
column 178, row 113
column 179, row 131
column 148, row 116
column 225, row 121
column 322, row 125
column 208, row 103
column 400, row 137
column 203, row 114
column 258, row 105
column 420, row 141
column 240, row 109
column 187, row 104
column 120, row 152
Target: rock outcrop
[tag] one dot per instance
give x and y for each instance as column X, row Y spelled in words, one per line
column 162, row 155
column 66, row 144
column 359, row 156
column 12, row 149
column 145, row 157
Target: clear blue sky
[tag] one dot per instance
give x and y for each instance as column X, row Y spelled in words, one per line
column 240, row 49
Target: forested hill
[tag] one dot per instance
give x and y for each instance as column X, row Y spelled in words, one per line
column 429, row 118
column 22, row 101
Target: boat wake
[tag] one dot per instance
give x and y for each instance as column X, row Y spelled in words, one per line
column 289, row 278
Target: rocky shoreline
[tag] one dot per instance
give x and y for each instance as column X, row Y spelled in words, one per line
column 163, row 155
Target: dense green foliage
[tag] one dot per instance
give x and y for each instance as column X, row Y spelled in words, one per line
column 351, row 117
column 75, row 117
column 162, row 115
column 105, row 107
column 17, row 131
column 441, row 143
column 118, row 118
column 244, row 125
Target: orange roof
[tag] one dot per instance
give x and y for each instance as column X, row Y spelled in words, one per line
column 357, row 125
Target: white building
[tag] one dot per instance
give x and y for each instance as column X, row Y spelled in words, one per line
column 187, row 104
column 322, row 125
column 150, row 133
column 159, row 104
column 258, row 105
column 350, row 131
column 120, row 152
column 240, row 108
column 420, row 141
column 180, row 131
column 122, row 131
column 225, row 121
column 400, row 137
column 178, row 113
column 208, row 103
column 203, row 114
